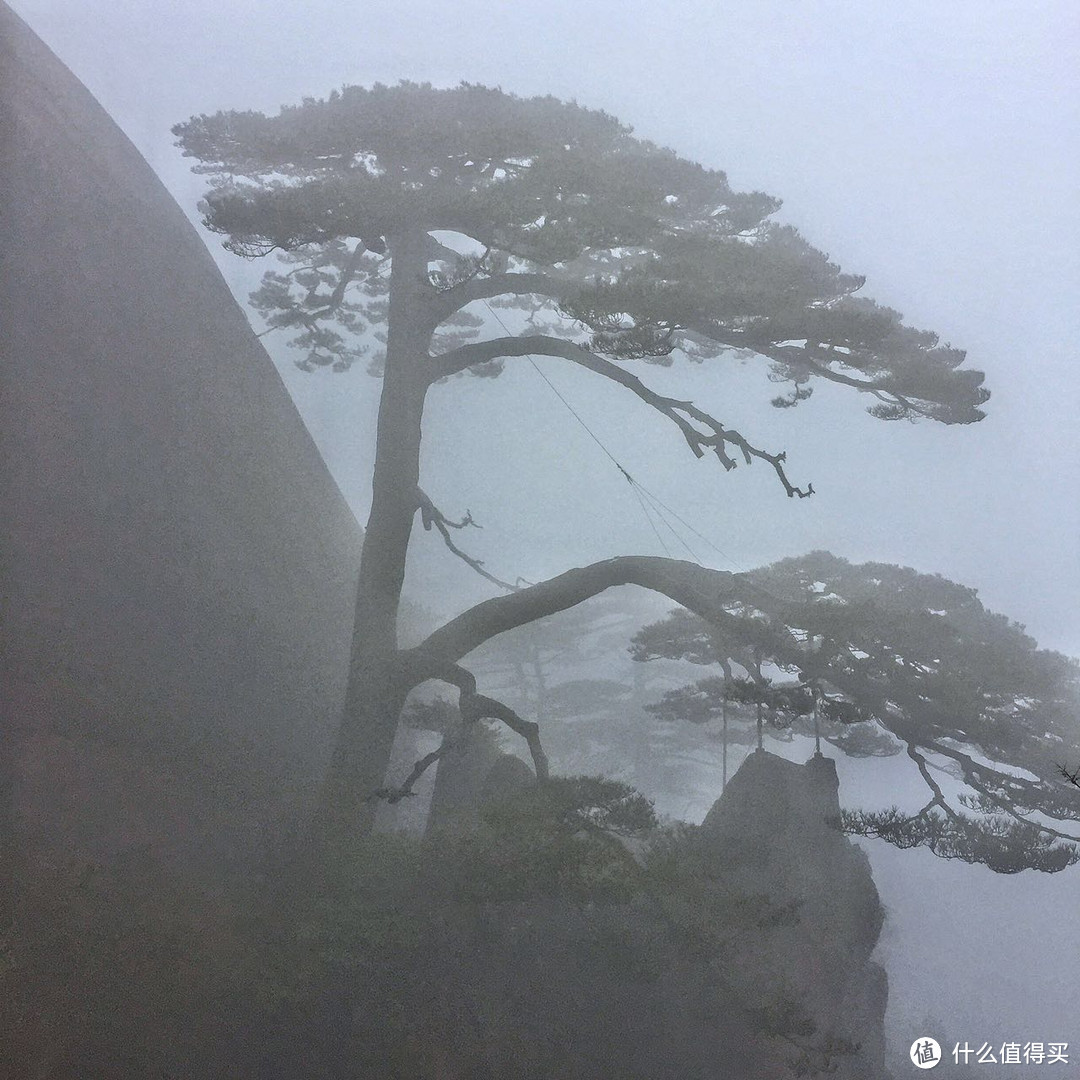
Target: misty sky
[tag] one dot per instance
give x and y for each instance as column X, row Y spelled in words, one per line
column 932, row 147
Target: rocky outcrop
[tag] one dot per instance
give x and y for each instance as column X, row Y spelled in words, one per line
column 178, row 570
column 177, row 577
column 773, row 835
column 471, row 774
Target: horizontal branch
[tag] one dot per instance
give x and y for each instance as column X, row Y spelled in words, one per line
column 702, row 431
column 487, row 288
column 812, row 359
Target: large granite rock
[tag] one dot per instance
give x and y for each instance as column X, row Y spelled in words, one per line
column 773, row 835
column 473, row 773
column 178, row 565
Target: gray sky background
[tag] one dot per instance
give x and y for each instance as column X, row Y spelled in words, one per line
column 932, row 147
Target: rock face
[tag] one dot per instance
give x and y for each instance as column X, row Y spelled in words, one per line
column 178, row 565
column 770, row 835
column 473, row 773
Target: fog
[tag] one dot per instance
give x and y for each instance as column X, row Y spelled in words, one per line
column 932, row 148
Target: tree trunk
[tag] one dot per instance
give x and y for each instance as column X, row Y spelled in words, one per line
column 378, row 682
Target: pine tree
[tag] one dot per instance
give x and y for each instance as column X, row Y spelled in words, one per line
column 408, row 214
column 879, row 659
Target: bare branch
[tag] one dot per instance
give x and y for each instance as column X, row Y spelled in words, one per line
column 396, row 794
column 1072, row 777
column 431, row 515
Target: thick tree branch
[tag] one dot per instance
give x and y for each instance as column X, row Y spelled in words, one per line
column 487, row 288
column 347, row 274
column 811, row 357
column 972, row 773
column 702, row 431
column 710, row 594
column 931, row 783
column 696, row 588
column 1007, row 848
column 475, row 706
column 433, row 249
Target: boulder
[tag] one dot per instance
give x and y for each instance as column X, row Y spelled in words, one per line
column 773, row 835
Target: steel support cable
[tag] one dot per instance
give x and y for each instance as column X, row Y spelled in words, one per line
column 660, row 508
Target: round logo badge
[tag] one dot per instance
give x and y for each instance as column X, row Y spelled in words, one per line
column 925, row 1052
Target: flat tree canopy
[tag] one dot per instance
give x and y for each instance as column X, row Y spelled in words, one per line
column 406, row 215
column 649, row 253
column 886, row 659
